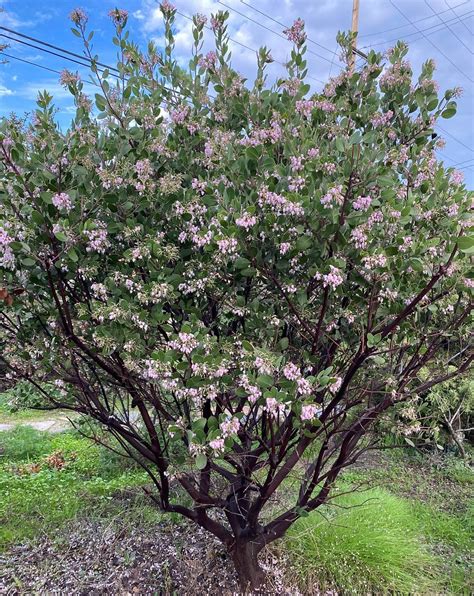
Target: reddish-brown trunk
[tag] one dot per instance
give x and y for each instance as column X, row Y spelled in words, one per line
column 245, row 558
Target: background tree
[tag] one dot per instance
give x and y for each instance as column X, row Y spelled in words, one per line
column 236, row 282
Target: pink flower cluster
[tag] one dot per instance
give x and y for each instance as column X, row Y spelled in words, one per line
column 68, row 78
column 381, row 119
column 7, row 258
column 332, row 279
column 296, row 32
column 374, row 261
column 359, row 237
column 278, row 204
column 362, row 203
column 456, row 178
column 246, row 221
column 184, row 343
column 208, row 61
column 253, row 391
column 230, row 427
column 119, row 16
column 227, row 246
column 305, row 107
column 258, row 136
column 325, row 106
column 62, row 201
column 333, row 196
column 98, row 239
column 180, row 114
column 310, row 412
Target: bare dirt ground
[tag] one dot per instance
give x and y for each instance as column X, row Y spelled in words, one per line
column 92, row 557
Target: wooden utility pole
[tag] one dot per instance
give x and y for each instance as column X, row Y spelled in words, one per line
column 354, row 29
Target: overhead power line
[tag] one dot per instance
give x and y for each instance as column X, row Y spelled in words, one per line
column 49, row 45
column 417, row 21
column 243, row 45
column 68, row 58
column 453, row 32
column 316, row 43
column 428, row 30
column 432, row 43
column 273, row 31
column 455, row 138
column 451, row 8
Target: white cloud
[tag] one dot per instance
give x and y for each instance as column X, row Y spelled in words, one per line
column 5, row 91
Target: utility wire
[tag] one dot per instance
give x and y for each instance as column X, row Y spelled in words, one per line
column 451, row 8
column 239, row 43
column 449, row 27
column 417, row 21
column 87, row 65
column 431, row 42
column 49, row 45
column 36, row 47
column 334, row 53
column 272, row 31
column 432, row 29
column 456, row 139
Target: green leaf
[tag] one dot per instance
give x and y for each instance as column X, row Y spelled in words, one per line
column 303, row 242
column 61, row 236
column 72, row 254
column 265, row 381
column 283, row 343
column 448, row 113
column 28, row 262
column 466, row 244
column 37, row 217
column 201, row 461
column 241, row 263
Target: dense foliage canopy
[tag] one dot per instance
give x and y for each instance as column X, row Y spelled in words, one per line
column 225, row 275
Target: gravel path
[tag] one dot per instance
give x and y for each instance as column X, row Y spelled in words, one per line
column 52, row 426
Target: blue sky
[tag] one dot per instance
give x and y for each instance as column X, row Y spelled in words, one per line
column 441, row 29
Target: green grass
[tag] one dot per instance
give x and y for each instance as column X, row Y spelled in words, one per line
column 37, row 497
column 375, row 542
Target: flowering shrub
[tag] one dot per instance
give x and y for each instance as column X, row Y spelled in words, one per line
column 224, row 275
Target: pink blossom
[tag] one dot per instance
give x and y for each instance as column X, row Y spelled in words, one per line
column 62, row 201
column 246, row 221
column 119, row 16
column 359, row 237
column 305, row 107
column 78, row 16
column 167, row 8
column 217, row 444
column 227, row 246
column 333, row 195
column 98, row 241
column 296, row 163
column 230, row 427
column 180, row 114
column 284, row 248
column 456, row 177
column 279, row 204
column 309, row 412
column 208, row 61
column 362, row 203
column 332, row 279
column 335, row 385
column 296, row 32
column 313, row 153
column 291, row 372
column 381, row 119
column 185, row 343
column 68, row 78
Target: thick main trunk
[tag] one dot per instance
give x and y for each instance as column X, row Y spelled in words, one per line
column 245, row 558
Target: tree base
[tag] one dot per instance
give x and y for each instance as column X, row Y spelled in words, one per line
column 245, row 558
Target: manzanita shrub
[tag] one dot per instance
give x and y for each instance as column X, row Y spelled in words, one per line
column 235, row 280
